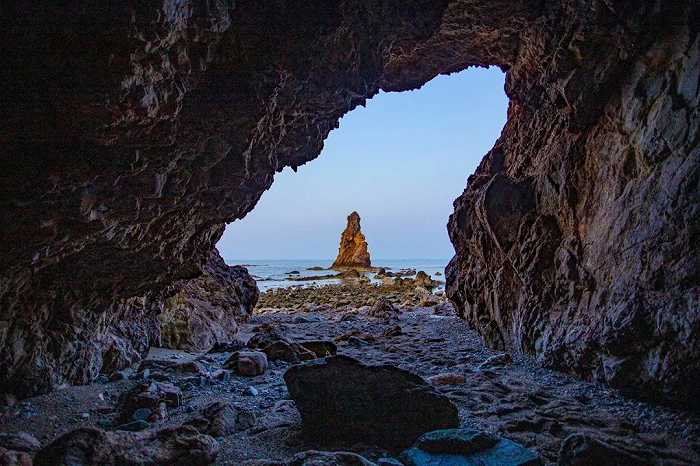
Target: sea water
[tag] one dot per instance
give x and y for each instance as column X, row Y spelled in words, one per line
column 276, row 273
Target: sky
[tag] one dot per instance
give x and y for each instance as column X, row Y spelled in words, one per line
column 399, row 162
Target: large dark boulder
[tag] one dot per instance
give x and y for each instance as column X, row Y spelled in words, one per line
column 340, row 398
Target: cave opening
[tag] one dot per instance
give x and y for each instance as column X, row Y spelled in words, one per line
column 399, row 161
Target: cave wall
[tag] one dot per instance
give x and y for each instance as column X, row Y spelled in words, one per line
column 578, row 237
column 136, row 131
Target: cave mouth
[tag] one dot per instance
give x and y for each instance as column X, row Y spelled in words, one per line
column 399, row 161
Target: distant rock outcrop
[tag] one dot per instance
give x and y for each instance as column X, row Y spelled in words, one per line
column 353, row 246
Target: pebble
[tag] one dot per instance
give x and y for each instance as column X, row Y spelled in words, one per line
column 134, row 426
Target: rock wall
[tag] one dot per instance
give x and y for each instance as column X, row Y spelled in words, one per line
column 135, row 131
column 352, row 251
column 578, row 237
column 207, row 310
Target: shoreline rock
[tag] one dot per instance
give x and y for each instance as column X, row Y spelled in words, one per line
column 352, row 252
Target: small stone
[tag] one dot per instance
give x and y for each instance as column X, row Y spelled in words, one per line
column 134, row 426
column 252, row 391
column 247, row 363
column 217, row 419
column 498, row 360
column 20, row 441
column 447, row 378
column 141, row 414
column 389, row 462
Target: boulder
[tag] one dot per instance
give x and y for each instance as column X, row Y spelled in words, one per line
column 383, row 308
column 228, row 347
column 498, row 360
column 352, row 251
column 423, row 279
column 447, row 378
column 181, row 446
column 154, row 366
column 14, row 458
column 19, row 441
column 148, row 395
column 321, row 348
column 247, row 363
column 466, row 447
column 217, row 419
column 266, row 334
column 340, row 398
column 289, row 352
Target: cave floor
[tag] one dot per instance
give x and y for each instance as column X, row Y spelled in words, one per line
column 533, row 406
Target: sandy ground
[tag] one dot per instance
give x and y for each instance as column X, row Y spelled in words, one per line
column 530, row 405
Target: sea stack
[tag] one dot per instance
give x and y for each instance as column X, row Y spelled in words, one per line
column 352, row 252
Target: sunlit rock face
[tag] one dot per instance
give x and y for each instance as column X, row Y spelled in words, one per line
column 137, row 130
column 352, row 251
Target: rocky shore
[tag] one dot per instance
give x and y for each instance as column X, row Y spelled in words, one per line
column 388, row 364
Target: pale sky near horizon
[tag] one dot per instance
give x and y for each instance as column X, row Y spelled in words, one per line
column 399, row 162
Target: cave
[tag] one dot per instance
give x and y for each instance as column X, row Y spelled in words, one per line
column 134, row 132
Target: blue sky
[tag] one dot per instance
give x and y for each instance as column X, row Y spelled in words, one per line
column 399, row 162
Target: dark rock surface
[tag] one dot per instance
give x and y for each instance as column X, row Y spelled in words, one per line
column 577, row 237
column 198, row 313
column 352, row 251
column 341, row 398
column 182, row 446
column 586, row 450
column 135, row 131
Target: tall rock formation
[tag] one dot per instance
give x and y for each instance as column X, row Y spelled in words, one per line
column 352, row 252
column 134, row 131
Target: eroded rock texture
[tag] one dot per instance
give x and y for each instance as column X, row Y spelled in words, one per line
column 577, row 239
column 352, row 251
column 206, row 311
column 136, row 130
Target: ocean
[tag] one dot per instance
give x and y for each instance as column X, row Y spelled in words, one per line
column 274, row 273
